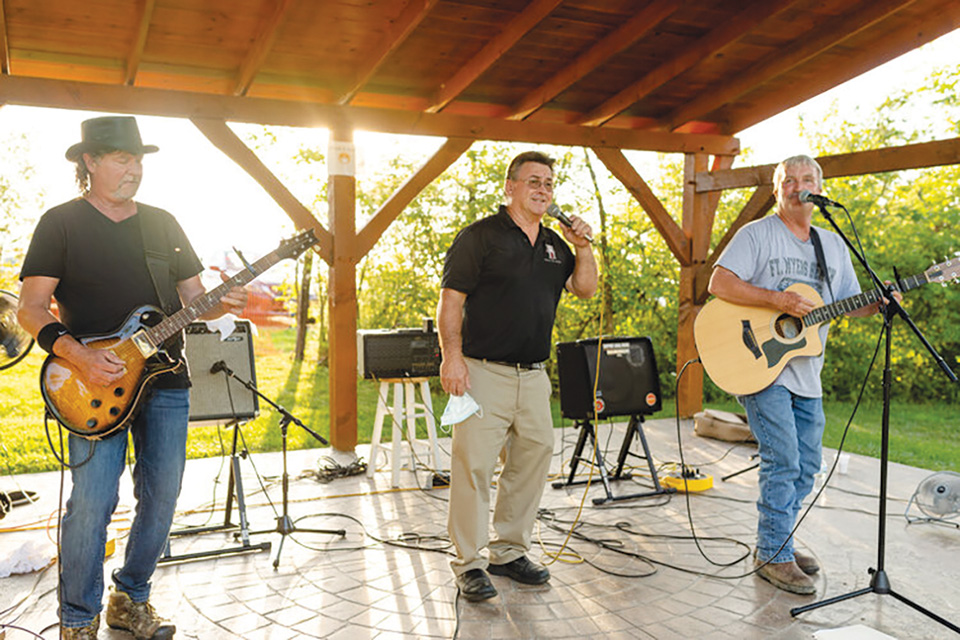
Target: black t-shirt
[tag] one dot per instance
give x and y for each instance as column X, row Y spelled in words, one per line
column 102, row 269
column 512, row 288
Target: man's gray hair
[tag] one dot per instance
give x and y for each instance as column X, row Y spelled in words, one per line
column 796, row 161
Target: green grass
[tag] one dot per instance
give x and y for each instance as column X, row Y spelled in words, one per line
column 920, row 435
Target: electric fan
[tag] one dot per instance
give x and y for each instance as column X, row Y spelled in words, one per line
column 14, row 341
column 938, row 498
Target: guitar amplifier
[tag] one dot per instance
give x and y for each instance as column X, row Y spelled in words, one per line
column 216, row 398
column 628, row 385
column 398, row 353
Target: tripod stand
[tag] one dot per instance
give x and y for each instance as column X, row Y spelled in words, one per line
column 880, row 582
column 285, row 525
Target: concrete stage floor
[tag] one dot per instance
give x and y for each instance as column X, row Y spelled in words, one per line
column 646, row 578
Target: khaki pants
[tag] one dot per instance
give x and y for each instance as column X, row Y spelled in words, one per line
column 516, row 420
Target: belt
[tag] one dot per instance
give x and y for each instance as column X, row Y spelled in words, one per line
column 525, row 366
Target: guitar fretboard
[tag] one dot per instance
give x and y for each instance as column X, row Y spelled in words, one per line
column 836, row 309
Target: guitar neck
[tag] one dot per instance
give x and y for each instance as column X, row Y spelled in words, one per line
column 836, row 309
column 206, row 302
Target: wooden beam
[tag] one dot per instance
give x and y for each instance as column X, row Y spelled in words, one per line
column 146, row 8
column 41, row 92
column 491, row 52
column 620, row 167
column 688, row 57
column 759, row 204
column 262, row 44
column 396, row 33
column 822, row 38
column 911, row 156
column 4, row 43
column 224, row 139
column 604, row 49
column 446, row 155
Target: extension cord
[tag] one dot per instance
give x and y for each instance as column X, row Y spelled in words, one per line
column 694, row 482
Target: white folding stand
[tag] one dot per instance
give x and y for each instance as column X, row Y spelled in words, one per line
column 405, row 408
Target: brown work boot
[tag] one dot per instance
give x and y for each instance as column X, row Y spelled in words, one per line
column 808, row 564
column 786, row 576
column 139, row 618
column 88, row 632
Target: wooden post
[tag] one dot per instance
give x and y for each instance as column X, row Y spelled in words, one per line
column 697, row 225
column 343, row 291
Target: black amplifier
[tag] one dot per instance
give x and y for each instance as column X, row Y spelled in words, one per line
column 398, row 353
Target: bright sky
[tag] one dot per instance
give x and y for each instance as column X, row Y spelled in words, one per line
column 220, row 206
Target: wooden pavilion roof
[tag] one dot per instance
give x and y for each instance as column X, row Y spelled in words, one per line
column 619, row 73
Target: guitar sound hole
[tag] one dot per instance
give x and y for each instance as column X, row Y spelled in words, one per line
column 788, row 327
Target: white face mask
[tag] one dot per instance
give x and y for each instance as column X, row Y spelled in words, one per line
column 459, row 408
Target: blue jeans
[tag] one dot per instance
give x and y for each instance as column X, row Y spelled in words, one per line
column 159, row 440
column 789, row 430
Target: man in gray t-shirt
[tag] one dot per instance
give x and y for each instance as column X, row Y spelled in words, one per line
column 764, row 258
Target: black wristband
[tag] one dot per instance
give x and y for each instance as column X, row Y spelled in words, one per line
column 50, row 334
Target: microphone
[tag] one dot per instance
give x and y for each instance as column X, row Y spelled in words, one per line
column 820, row 201
column 554, row 212
column 218, row 366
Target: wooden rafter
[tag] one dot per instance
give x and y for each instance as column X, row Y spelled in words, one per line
column 497, row 47
column 145, row 8
column 4, row 44
column 686, row 59
column 911, row 156
column 824, row 37
column 262, row 44
column 631, row 31
column 446, row 155
column 620, row 167
column 396, row 34
column 227, row 141
column 181, row 104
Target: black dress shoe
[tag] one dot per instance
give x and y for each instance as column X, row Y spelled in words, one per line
column 475, row 585
column 521, row 570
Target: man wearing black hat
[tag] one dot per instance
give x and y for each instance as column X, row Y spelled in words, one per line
column 91, row 255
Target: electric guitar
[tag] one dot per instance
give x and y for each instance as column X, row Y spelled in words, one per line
column 94, row 411
column 744, row 349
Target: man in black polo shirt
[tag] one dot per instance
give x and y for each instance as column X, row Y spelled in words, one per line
column 502, row 280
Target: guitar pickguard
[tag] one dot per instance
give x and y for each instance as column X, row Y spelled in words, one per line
column 775, row 350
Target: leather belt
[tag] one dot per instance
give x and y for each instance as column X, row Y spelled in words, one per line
column 525, row 366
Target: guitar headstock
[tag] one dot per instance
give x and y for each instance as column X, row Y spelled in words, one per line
column 945, row 272
column 293, row 247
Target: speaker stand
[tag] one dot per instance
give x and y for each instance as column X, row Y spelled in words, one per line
column 234, row 486
column 634, row 428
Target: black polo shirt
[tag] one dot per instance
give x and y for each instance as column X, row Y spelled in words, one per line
column 512, row 288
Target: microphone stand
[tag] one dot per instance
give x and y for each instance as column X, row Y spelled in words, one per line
column 880, row 582
column 285, row 525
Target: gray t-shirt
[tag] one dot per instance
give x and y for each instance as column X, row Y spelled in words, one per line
column 766, row 254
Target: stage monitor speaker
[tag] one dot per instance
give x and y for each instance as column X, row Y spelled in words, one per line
column 398, row 353
column 216, row 398
column 628, row 384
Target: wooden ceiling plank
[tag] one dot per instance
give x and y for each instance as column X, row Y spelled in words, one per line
column 823, row 38
column 4, row 43
column 492, row 51
column 62, row 94
column 396, row 34
column 446, row 155
column 224, row 139
column 145, row 8
column 710, row 44
column 262, row 44
column 677, row 241
column 911, row 156
column 604, row 49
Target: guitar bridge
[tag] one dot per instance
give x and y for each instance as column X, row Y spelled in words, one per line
column 143, row 344
column 750, row 340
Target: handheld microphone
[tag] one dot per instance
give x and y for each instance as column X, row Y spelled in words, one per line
column 554, row 212
column 218, row 366
column 820, row 201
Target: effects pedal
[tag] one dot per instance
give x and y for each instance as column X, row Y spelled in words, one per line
column 689, row 480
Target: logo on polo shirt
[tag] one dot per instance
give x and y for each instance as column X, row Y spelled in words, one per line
column 551, row 254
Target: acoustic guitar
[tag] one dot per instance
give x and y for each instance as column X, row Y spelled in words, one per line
column 94, row 411
column 744, row 349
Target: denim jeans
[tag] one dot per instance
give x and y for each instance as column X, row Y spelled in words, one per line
column 159, row 440
column 789, row 430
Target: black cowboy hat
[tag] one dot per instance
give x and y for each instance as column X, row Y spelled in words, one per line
column 109, row 133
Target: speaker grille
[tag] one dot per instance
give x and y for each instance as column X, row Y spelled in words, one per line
column 216, row 398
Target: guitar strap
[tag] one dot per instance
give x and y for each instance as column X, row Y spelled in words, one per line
column 821, row 261
column 155, row 249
